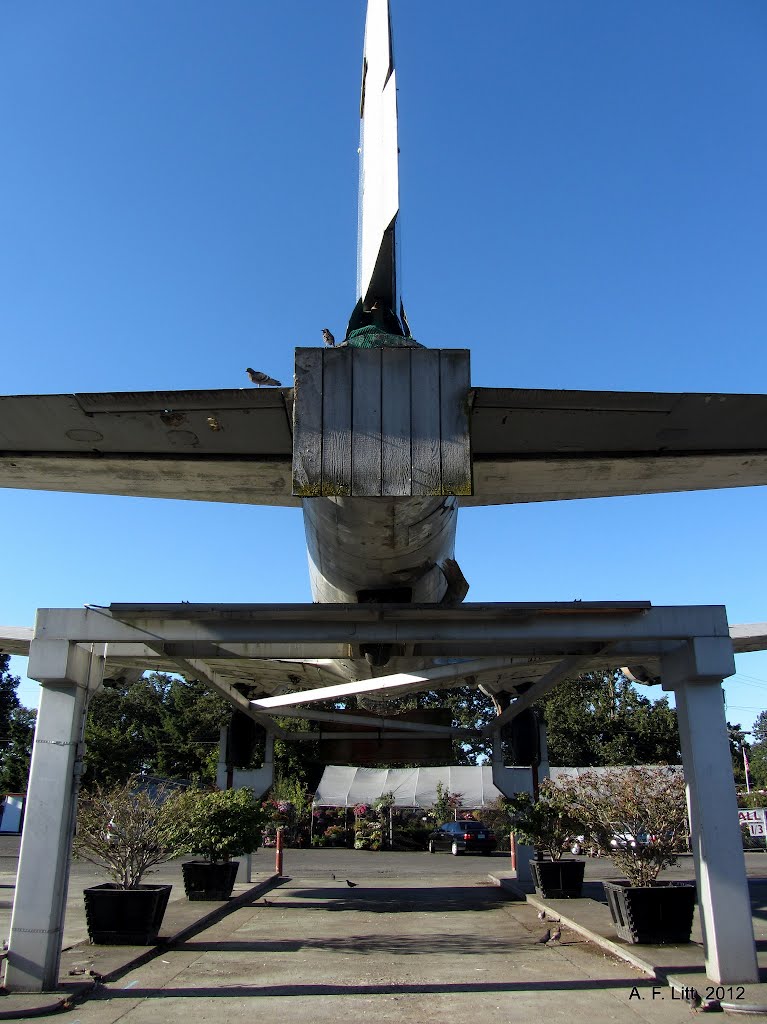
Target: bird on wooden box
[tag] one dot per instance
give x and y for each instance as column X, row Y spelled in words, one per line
column 259, row 378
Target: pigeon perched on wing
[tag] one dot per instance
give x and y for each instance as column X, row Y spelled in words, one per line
column 327, row 337
column 259, row 378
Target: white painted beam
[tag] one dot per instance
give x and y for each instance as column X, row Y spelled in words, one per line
column 381, row 724
column 554, row 624
column 401, row 681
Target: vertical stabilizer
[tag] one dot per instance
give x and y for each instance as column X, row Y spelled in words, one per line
column 377, row 286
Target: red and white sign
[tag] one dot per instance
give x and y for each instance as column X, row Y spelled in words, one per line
column 754, row 817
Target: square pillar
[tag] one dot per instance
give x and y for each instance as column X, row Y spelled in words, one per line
column 695, row 671
column 511, row 781
column 67, row 673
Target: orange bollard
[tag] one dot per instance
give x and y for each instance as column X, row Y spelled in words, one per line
column 278, row 853
column 513, row 851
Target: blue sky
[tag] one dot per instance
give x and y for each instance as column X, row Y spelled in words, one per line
column 583, row 206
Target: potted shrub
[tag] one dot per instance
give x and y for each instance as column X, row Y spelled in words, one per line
column 126, row 830
column 548, row 824
column 215, row 825
column 639, row 814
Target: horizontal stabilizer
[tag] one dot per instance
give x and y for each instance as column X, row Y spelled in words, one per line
column 537, row 445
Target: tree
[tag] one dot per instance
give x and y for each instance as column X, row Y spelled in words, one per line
column 737, row 739
column 161, row 725
column 601, row 719
column 759, row 730
column 17, row 729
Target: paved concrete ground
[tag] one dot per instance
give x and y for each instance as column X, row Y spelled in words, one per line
column 427, row 937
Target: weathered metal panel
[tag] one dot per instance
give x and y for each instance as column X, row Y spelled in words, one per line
column 396, row 477
column 366, row 422
column 307, row 423
column 336, row 422
column 246, row 421
column 424, row 421
column 508, row 422
column 455, row 445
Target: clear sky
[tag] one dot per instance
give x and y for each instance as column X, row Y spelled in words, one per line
column 583, row 206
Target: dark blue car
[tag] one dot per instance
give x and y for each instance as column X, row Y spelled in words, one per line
column 462, row 837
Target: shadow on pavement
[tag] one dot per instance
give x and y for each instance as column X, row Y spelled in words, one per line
column 240, row 991
column 415, row 944
column 403, row 900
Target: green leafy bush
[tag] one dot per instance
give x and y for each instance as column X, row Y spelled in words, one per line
column 548, row 823
column 218, row 824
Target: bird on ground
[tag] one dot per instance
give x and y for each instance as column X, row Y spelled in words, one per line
column 351, row 885
column 333, row 877
column 327, row 337
column 545, row 937
column 556, row 935
column 268, row 903
column 695, row 1000
column 541, row 915
column 259, row 378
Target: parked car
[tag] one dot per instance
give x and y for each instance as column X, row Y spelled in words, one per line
column 462, row 837
column 620, row 840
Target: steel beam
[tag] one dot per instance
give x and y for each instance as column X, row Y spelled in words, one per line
column 567, row 668
column 512, row 625
column 401, row 682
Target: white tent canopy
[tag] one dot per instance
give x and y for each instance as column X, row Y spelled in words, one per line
column 342, row 786
column 412, row 787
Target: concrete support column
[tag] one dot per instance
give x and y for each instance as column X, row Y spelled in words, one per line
column 68, row 674
column 695, row 672
column 511, row 781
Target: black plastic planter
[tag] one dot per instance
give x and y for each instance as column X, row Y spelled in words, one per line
column 656, row 914
column 206, row 881
column 558, row 879
column 125, row 917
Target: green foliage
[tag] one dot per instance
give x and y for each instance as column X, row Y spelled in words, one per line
column 17, row 729
column 548, row 823
column 756, row 752
column 383, row 802
column 218, row 824
column 751, row 800
column 759, row 729
column 161, row 725
column 601, row 719
column 126, row 830
column 293, row 791
column 644, row 803
column 444, row 806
